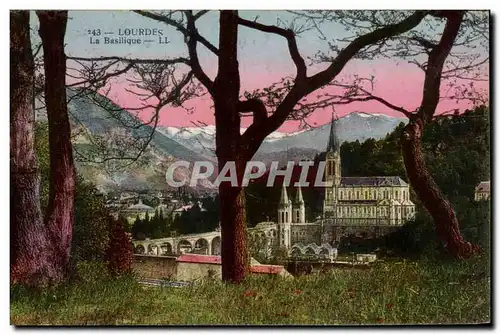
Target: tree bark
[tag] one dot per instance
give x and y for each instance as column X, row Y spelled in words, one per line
column 60, row 210
column 30, row 248
column 229, row 149
column 233, row 224
column 445, row 219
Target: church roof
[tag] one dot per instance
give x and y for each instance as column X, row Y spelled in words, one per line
column 372, row 181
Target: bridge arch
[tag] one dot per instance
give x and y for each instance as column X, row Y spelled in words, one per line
column 310, row 251
column 139, row 249
column 216, row 245
column 166, row 248
column 153, row 249
column 184, row 246
column 202, row 246
column 295, row 252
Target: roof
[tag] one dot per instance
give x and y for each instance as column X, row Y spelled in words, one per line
column 298, row 196
column 483, row 186
column 140, row 206
column 188, row 207
column 194, row 258
column 184, row 208
column 272, row 269
column 284, row 196
column 372, row 181
column 204, row 259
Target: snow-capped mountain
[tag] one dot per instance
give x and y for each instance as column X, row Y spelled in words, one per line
column 354, row 126
column 202, row 139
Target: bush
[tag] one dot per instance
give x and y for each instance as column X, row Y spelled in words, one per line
column 120, row 251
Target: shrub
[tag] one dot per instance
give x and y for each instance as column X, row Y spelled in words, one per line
column 120, row 251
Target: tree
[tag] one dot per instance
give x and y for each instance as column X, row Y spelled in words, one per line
column 40, row 248
column 90, row 228
column 120, row 253
column 459, row 70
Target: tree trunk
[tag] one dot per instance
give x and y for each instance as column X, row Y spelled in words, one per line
column 30, row 249
column 60, row 210
column 233, row 231
column 445, row 219
column 229, row 149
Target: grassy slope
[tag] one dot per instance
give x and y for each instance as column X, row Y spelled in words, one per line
column 392, row 293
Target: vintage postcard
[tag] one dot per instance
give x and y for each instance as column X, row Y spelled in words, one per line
column 238, row 167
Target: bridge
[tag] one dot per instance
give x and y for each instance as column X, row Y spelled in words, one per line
column 202, row 243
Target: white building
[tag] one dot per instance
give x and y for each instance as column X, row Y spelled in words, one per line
column 482, row 191
column 359, row 201
column 350, row 204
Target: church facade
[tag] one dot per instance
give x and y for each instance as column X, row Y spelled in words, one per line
column 350, row 205
column 360, row 201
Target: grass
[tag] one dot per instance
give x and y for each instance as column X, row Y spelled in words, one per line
column 423, row 292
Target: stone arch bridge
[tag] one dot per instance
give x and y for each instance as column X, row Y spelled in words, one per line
column 203, row 243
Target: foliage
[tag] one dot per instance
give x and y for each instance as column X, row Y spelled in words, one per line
column 90, row 228
column 196, row 220
column 423, row 292
column 157, row 226
column 120, row 253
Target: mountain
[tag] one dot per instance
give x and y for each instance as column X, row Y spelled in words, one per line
column 354, row 126
column 102, row 130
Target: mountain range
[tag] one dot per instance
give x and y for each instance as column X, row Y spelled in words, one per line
column 102, row 130
column 354, row 126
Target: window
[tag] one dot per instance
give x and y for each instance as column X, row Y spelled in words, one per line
column 397, row 195
column 357, row 194
column 366, row 194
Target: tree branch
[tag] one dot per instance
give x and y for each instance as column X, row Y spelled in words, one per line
column 185, row 31
column 301, row 88
column 290, row 37
column 437, row 57
column 192, row 40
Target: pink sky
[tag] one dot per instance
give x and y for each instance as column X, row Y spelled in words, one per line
column 399, row 84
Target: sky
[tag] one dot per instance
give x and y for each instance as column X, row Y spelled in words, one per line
column 263, row 59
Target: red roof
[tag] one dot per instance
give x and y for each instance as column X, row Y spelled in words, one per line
column 204, row 259
column 193, row 258
column 273, row 269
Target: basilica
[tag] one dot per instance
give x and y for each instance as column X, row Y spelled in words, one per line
column 351, row 204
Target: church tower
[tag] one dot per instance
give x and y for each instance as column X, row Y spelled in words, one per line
column 332, row 169
column 284, row 218
column 299, row 211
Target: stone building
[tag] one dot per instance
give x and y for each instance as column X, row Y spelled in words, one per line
column 362, row 201
column 482, row 191
column 137, row 210
column 372, row 205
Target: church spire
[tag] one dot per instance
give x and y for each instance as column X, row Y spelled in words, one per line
column 333, row 140
column 298, row 196
column 284, row 196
